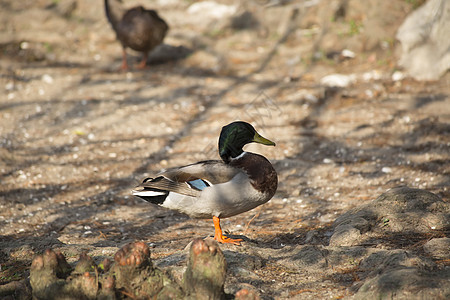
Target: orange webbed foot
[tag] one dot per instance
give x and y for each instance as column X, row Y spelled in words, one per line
column 218, row 236
column 226, row 240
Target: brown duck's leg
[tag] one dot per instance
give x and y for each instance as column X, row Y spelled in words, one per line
column 218, row 236
column 143, row 62
column 124, row 60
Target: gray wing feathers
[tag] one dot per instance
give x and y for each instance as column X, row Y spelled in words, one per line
column 175, row 180
column 212, row 171
column 162, row 183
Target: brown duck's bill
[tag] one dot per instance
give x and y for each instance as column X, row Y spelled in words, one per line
column 262, row 140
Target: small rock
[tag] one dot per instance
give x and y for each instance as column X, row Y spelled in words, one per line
column 338, row 80
column 312, row 237
column 372, row 75
column 211, row 9
column 438, row 248
column 243, row 20
column 47, row 78
column 66, row 7
column 24, row 45
column 9, row 86
column 397, row 76
column 348, row 53
column 345, row 235
column 306, row 257
column 359, row 223
column 386, row 170
column 247, row 294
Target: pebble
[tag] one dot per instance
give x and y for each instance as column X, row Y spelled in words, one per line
column 348, row 53
column 386, row 170
column 9, row 86
column 24, row 45
column 397, row 76
column 211, row 9
column 327, row 161
column 372, row 75
column 47, row 78
column 338, row 80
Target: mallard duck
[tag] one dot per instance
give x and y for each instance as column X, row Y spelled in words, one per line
column 217, row 189
column 137, row 28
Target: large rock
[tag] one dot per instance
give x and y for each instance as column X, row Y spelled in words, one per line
column 425, row 41
column 399, row 218
column 399, row 213
column 438, row 248
column 406, row 283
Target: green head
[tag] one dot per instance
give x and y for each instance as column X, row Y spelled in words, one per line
column 235, row 136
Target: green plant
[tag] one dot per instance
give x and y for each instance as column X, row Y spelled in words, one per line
column 415, row 3
column 355, row 27
column 48, row 47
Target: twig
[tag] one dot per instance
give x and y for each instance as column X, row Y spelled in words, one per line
column 248, row 224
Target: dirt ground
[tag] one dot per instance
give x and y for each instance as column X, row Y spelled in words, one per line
column 77, row 135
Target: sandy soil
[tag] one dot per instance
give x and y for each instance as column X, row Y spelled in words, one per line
column 77, row 135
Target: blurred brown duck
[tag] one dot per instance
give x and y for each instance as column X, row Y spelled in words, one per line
column 137, row 28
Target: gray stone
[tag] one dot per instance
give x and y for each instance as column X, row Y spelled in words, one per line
column 406, row 283
column 425, row 41
column 438, row 248
column 312, row 238
column 345, row 235
column 347, row 257
column 307, row 258
column 384, row 260
column 358, row 222
column 66, row 7
column 400, row 210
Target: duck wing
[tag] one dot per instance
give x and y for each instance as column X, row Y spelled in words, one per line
column 212, row 171
column 188, row 180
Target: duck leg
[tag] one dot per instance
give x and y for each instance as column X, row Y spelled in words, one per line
column 218, row 236
column 124, row 60
column 143, row 62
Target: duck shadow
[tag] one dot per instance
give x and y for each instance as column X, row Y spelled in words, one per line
column 165, row 53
